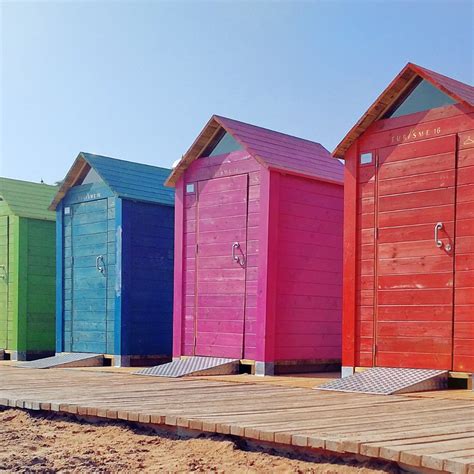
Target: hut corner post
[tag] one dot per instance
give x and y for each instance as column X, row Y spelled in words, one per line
column 350, row 260
column 59, row 280
column 119, row 344
column 268, row 269
column 178, row 270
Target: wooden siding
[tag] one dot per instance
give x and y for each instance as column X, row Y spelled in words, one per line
column 420, row 181
column 147, row 278
column 40, row 286
column 200, row 172
column 89, row 297
column 464, row 260
column 8, row 281
column 27, row 290
column 309, row 269
column 415, row 189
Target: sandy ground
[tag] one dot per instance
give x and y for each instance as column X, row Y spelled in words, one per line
column 35, row 442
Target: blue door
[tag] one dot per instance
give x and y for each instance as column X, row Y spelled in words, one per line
column 89, row 277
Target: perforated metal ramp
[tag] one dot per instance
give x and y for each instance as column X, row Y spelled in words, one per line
column 67, row 359
column 193, row 366
column 389, row 381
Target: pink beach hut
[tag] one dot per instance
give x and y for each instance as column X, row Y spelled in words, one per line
column 258, row 249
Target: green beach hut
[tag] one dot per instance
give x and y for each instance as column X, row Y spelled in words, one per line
column 27, row 270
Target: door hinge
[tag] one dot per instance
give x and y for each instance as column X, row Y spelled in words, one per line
column 197, row 248
column 376, row 233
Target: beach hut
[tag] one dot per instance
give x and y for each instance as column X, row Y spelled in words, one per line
column 258, row 249
column 27, row 270
column 409, row 227
column 115, row 223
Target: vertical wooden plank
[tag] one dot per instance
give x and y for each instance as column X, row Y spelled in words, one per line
column 268, row 266
column 178, row 270
column 22, row 262
column 350, row 258
column 119, row 275
column 59, row 279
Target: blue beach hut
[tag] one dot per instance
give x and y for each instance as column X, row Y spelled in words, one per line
column 115, row 225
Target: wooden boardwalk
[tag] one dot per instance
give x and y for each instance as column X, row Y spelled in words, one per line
column 419, row 432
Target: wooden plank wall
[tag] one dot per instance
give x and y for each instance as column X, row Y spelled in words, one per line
column 464, row 260
column 41, row 286
column 89, row 233
column 147, row 278
column 439, row 122
column 202, row 169
column 309, row 276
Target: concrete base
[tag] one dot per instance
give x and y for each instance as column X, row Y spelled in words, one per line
column 264, row 368
column 121, row 361
column 346, row 371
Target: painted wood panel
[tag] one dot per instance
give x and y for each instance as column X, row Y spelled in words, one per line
column 220, row 280
column 309, row 274
column 463, row 353
column 405, row 281
column 4, row 280
column 147, row 278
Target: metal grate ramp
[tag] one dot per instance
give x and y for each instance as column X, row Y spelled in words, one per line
column 67, row 359
column 389, row 381
column 193, row 366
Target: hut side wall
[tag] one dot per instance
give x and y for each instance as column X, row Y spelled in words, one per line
column 309, row 269
column 362, row 295
column 147, row 278
column 186, row 235
column 40, row 285
column 463, row 350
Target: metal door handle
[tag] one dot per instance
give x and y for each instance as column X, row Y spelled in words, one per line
column 237, row 258
column 235, row 245
column 100, row 264
column 3, row 275
column 438, row 227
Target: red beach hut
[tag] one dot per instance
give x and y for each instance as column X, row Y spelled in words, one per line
column 258, row 248
column 409, row 227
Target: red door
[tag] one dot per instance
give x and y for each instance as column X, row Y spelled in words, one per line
column 415, row 202
column 220, row 276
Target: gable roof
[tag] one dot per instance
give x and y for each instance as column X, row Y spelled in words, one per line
column 460, row 92
column 128, row 180
column 27, row 199
column 273, row 150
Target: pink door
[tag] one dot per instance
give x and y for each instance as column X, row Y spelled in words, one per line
column 220, row 270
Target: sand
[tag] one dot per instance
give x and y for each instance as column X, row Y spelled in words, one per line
column 38, row 442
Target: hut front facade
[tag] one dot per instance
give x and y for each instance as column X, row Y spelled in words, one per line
column 27, row 270
column 409, row 227
column 115, row 224
column 258, row 249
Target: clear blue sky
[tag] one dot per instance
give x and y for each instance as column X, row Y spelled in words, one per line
column 138, row 80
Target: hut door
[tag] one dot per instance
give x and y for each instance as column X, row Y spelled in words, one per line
column 3, row 282
column 89, row 276
column 221, row 262
column 415, row 202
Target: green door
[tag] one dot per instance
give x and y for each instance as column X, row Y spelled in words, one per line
column 3, row 282
column 89, row 276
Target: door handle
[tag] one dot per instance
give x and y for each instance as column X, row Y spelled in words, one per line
column 237, row 258
column 438, row 227
column 3, row 274
column 100, row 264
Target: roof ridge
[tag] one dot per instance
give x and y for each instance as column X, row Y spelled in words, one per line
column 266, row 129
column 4, row 178
column 85, row 153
